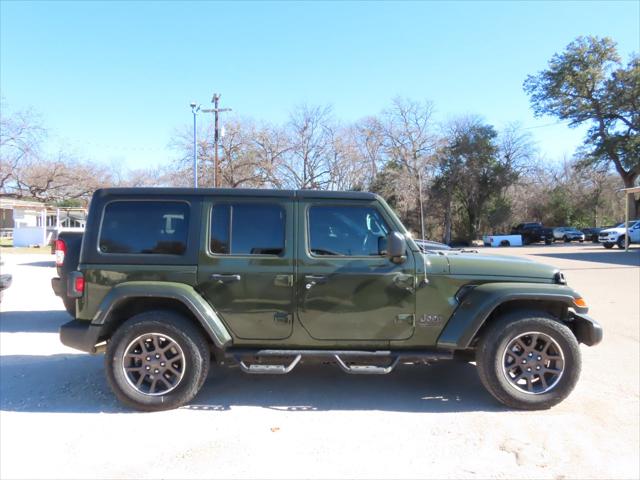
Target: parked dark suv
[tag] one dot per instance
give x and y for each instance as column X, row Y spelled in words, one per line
column 533, row 232
column 170, row 280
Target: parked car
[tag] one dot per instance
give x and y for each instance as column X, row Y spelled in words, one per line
column 591, row 233
column 533, row 232
column 67, row 252
column 170, row 281
column 568, row 234
column 430, row 245
column 499, row 240
column 616, row 235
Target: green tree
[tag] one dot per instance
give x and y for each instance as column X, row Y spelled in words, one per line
column 588, row 84
column 475, row 171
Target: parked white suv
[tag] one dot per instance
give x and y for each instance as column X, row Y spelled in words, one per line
column 616, row 235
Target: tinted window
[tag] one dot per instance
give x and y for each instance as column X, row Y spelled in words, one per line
column 247, row 229
column 353, row 231
column 145, row 228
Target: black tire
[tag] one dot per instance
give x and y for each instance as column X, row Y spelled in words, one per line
column 566, row 239
column 547, row 241
column 492, row 354
column 191, row 350
column 581, row 241
column 620, row 242
column 505, row 243
column 607, row 245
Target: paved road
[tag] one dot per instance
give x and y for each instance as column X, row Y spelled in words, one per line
column 59, row 419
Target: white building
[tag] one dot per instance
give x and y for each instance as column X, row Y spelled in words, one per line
column 35, row 223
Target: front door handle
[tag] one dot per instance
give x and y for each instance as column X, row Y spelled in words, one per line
column 225, row 278
column 406, row 282
column 314, row 280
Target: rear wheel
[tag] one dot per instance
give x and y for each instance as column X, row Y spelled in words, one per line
column 157, row 360
column 528, row 360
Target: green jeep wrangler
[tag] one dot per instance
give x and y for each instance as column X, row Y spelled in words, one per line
column 170, row 280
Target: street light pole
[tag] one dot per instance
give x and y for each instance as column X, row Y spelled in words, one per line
column 216, row 136
column 195, row 110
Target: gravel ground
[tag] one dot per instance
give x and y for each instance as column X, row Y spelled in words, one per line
column 59, row 419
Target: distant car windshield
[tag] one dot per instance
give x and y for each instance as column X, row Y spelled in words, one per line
column 629, row 224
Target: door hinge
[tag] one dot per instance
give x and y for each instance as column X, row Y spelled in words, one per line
column 408, row 318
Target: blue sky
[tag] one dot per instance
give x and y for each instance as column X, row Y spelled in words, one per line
column 113, row 81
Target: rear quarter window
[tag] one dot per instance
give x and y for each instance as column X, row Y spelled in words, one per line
column 144, row 228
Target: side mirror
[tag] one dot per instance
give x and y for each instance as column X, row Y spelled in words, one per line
column 396, row 247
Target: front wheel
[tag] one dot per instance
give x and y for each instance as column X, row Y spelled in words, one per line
column 607, row 245
column 157, row 360
column 566, row 239
column 528, row 360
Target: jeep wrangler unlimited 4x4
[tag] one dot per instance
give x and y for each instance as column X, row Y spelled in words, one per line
column 170, row 279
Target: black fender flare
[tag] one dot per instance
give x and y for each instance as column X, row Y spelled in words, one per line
column 477, row 305
column 181, row 292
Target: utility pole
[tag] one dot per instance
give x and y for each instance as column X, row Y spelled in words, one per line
column 216, row 136
column 195, row 108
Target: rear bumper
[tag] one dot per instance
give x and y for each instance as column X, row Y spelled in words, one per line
column 587, row 329
column 56, row 285
column 81, row 335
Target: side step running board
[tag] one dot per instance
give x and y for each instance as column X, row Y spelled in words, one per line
column 342, row 357
column 366, row 369
column 273, row 369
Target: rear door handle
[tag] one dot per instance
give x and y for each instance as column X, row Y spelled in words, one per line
column 314, row 280
column 225, row 278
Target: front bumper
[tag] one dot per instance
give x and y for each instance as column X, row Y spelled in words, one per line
column 81, row 335
column 586, row 329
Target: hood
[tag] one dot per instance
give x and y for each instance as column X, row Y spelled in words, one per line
column 500, row 266
column 612, row 230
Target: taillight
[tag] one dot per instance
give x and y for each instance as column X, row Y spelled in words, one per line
column 78, row 284
column 75, row 284
column 60, row 251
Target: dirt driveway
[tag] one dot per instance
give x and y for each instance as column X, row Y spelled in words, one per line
column 58, row 418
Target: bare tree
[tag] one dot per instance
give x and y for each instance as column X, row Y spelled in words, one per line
column 410, row 140
column 21, row 134
column 306, row 162
column 369, row 142
column 60, row 178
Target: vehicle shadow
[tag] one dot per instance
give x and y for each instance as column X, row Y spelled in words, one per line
column 48, row 263
column 598, row 255
column 76, row 383
column 46, row 321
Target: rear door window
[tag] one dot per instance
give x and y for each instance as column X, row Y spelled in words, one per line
column 144, row 228
column 247, row 229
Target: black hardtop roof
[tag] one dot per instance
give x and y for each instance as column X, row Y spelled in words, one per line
column 234, row 192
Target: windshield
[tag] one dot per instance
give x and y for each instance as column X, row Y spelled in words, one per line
column 629, row 224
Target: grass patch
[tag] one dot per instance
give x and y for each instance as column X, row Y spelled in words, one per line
column 7, row 248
